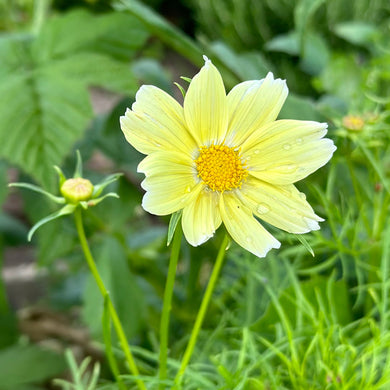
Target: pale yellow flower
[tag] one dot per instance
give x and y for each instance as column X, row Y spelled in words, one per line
column 225, row 158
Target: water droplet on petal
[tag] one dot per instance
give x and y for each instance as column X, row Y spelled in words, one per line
column 188, row 189
column 262, row 208
column 286, row 146
column 302, row 196
column 249, row 239
column 257, row 151
column 299, row 141
column 287, row 168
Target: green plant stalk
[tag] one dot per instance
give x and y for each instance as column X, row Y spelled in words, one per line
column 167, row 304
column 114, row 316
column 203, row 309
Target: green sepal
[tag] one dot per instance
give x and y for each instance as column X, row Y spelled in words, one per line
column 182, row 90
column 305, row 244
column 61, row 176
column 186, row 79
column 78, row 172
column 94, row 202
column 98, row 188
column 175, row 218
column 56, row 199
column 67, row 209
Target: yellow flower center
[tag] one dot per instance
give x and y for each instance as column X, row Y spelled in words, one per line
column 220, row 167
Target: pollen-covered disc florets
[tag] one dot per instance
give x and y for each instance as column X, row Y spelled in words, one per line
column 77, row 190
column 220, row 167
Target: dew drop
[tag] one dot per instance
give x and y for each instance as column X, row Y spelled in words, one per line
column 249, row 239
column 302, row 196
column 287, row 168
column 188, row 189
column 286, row 146
column 262, row 208
column 257, row 151
column 299, row 141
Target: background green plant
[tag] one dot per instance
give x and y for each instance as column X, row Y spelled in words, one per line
column 289, row 321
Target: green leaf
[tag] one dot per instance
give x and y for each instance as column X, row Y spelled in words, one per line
column 165, row 31
column 175, row 218
column 285, row 43
column 356, row 32
column 45, row 79
column 305, row 244
column 316, row 55
column 21, row 365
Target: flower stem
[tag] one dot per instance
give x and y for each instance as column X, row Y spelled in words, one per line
column 167, row 304
column 114, row 316
column 203, row 309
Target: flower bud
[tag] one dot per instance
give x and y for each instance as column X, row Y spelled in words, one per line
column 76, row 190
column 353, row 122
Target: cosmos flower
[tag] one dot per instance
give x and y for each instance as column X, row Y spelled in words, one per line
column 225, row 158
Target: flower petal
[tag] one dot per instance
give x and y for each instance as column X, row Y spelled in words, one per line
column 244, row 228
column 286, row 151
column 201, row 217
column 170, row 182
column 252, row 104
column 155, row 122
column 282, row 206
column 205, row 109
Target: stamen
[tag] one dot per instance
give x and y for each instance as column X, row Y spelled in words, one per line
column 220, row 167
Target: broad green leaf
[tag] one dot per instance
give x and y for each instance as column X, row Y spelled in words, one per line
column 21, row 365
column 45, row 79
column 356, row 32
column 114, row 34
column 316, row 55
column 285, row 43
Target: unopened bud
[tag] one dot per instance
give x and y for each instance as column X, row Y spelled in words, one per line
column 353, row 122
column 77, row 190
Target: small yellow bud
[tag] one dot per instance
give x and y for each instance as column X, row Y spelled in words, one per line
column 353, row 122
column 76, row 190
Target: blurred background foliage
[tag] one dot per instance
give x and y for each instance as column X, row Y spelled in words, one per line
column 69, row 69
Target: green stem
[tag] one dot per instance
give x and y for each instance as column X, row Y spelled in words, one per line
column 114, row 316
column 203, row 309
column 164, row 326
